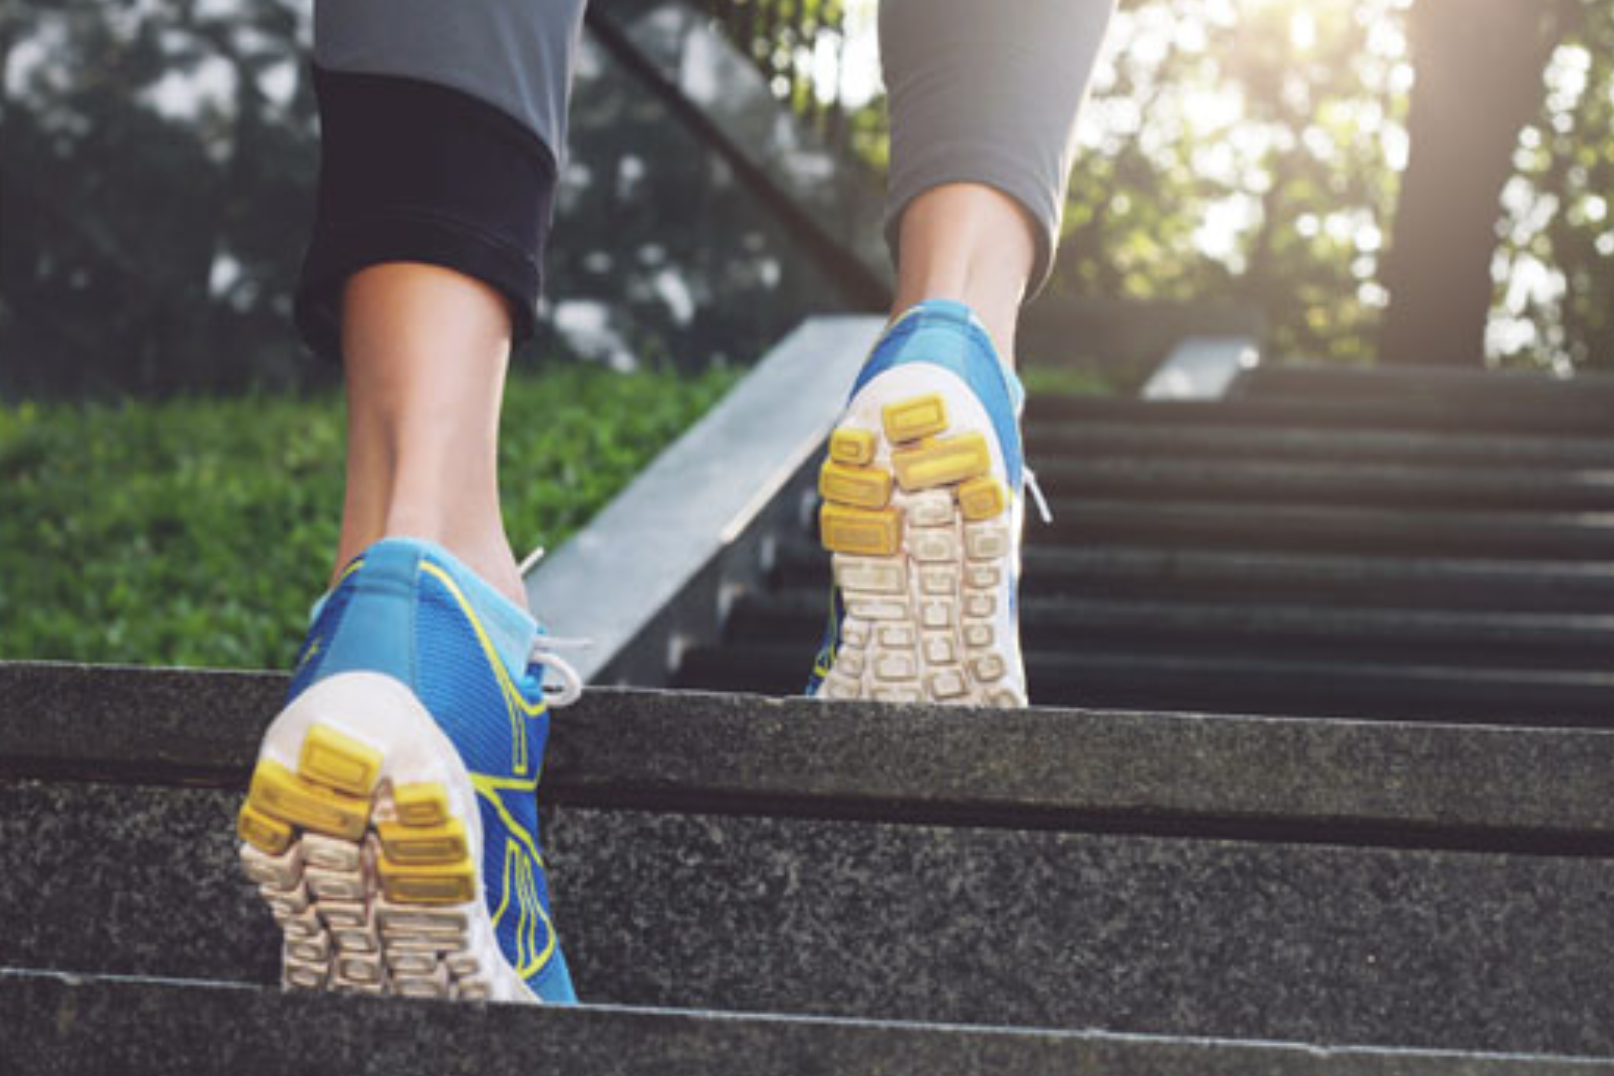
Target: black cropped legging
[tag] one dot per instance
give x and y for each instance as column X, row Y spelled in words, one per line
column 443, row 125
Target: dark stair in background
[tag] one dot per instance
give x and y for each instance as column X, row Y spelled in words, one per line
column 1400, row 544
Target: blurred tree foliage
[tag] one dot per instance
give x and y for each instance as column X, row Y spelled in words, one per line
column 156, row 186
column 1255, row 150
column 156, row 160
column 1244, row 150
column 1555, row 263
column 154, row 189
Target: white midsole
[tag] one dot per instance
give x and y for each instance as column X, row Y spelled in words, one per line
column 864, row 650
column 385, row 715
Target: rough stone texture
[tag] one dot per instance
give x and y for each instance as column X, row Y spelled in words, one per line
column 129, row 880
column 886, row 921
column 1317, row 779
column 68, row 1027
column 85, row 718
column 1156, row 936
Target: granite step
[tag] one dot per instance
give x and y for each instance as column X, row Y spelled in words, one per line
column 1328, row 529
column 1301, row 631
column 1339, row 581
column 1108, row 676
column 1428, row 415
column 1256, row 483
column 1143, row 873
column 71, row 1025
column 1131, row 516
column 1102, row 436
column 1586, row 398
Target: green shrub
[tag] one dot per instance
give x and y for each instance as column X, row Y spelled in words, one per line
column 198, row 532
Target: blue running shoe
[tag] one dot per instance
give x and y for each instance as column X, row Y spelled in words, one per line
column 922, row 509
column 391, row 824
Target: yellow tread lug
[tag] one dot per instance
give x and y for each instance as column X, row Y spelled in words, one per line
column 264, row 833
column 339, row 761
column 860, row 487
column 422, row 804
column 453, row 883
column 942, row 463
column 414, row 845
column 909, row 420
column 870, row 533
column 855, row 447
column 279, row 793
column 982, row 498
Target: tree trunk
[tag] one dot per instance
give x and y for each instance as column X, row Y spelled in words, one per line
column 1479, row 81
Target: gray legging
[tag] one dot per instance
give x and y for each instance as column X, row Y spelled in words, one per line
column 981, row 91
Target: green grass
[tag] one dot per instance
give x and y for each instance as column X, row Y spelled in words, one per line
column 1050, row 380
column 198, row 532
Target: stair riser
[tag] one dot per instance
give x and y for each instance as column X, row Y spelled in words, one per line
column 1409, row 489
column 1432, row 583
column 1233, row 631
column 1337, row 531
column 1165, row 935
column 1314, row 529
column 66, row 1028
column 1245, row 684
column 1576, row 421
column 1050, row 440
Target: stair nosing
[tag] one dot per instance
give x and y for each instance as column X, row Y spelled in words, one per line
column 1358, row 781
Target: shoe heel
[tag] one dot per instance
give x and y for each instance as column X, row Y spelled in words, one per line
column 916, row 521
column 371, row 877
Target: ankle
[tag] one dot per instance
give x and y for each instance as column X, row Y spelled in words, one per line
column 997, row 317
column 973, row 244
column 483, row 549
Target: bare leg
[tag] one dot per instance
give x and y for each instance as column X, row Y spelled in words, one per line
column 971, row 243
column 425, row 351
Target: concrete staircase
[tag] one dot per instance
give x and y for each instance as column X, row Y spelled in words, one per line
column 1391, row 851
column 1354, row 543
column 755, row 886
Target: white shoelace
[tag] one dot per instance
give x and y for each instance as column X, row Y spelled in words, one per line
column 1036, row 494
column 543, row 653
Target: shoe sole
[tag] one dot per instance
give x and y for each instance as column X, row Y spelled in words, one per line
column 919, row 525
column 362, row 833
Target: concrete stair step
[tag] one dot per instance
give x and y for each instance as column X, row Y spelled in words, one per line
column 1437, row 415
column 1049, row 623
column 1586, row 398
column 1123, row 677
column 1251, row 526
column 1251, row 483
column 1143, row 873
column 1328, row 529
column 72, row 1025
column 1339, row 581
column 1100, row 436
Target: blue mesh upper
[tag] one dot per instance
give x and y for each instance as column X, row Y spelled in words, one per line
column 395, row 616
column 311, row 655
column 942, row 333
